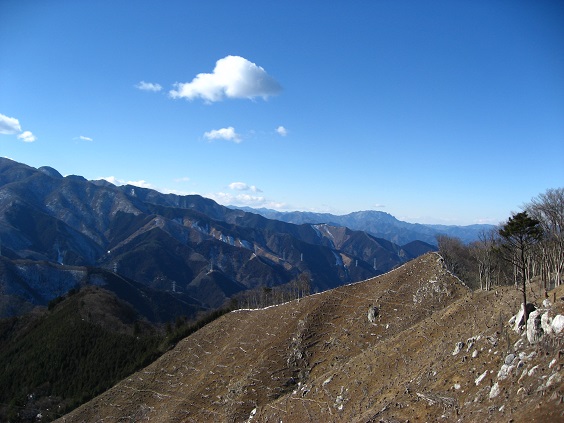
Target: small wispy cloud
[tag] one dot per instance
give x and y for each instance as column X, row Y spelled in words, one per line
column 242, row 186
column 282, row 131
column 232, row 77
column 9, row 125
column 27, row 136
column 83, row 138
column 183, row 179
column 148, row 86
column 227, row 134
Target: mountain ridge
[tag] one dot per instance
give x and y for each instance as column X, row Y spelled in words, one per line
column 172, row 243
column 379, row 224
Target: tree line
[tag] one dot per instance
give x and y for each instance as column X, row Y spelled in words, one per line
column 265, row 296
column 528, row 247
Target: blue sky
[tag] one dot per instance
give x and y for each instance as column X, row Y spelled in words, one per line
column 434, row 111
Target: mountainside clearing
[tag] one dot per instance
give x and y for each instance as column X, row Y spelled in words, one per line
column 414, row 344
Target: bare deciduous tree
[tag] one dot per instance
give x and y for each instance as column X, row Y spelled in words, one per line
column 548, row 209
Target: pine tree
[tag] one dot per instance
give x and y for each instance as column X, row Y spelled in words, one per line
column 519, row 235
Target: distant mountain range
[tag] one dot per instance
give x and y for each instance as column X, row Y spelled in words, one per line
column 165, row 254
column 379, row 224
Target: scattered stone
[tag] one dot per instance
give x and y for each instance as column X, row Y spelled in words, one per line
column 509, row 359
column 524, row 357
column 522, row 391
column 340, row 400
column 458, row 347
column 492, row 340
column 533, row 370
column 554, row 378
column 494, row 392
column 252, row 415
column 480, row 378
column 474, row 353
column 505, row 371
column 373, row 313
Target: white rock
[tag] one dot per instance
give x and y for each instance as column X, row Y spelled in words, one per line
column 546, row 323
column 546, row 303
column 558, row 324
column 524, row 357
column 474, row 353
column 554, row 378
column 533, row 370
column 518, row 320
column 534, row 329
column 479, row 378
column 373, row 312
column 505, row 371
column 470, row 343
column 458, row 348
column 494, row 392
column 552, row 363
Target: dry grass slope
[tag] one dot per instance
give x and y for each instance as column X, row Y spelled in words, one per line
column 321, row 359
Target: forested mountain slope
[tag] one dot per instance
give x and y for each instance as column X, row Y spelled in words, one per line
column 187, row 245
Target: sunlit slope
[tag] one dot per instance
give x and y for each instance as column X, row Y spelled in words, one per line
column 322, row 359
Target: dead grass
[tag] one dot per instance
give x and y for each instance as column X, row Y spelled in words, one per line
column 320, row 359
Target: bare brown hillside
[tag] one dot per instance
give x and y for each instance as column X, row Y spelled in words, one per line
column 435, row 352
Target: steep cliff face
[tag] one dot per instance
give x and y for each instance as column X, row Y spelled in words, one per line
column 434, row 351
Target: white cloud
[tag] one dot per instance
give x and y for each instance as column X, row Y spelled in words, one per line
column 27, row 136
column 242, row 186
column 232, row 77
column 282, row 131
column 116, row 181
column 183, row 179
column 9, row 125
column 244, row 200
column 228, row 134
column 141, row 184
column 83, row 138
column 148, row 86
